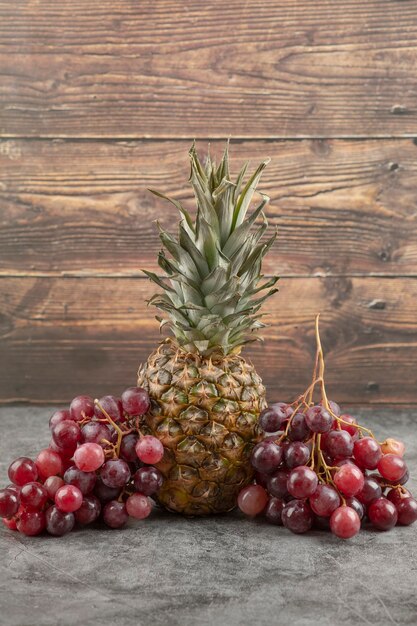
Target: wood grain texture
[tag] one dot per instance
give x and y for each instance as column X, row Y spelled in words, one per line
column 65, row 336
column 184, row 68
column 341, row 207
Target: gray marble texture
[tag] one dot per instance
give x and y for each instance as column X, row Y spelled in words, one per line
column 225, row 570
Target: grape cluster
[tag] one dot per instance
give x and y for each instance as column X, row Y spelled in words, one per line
column 98, row 464
column 321, row 468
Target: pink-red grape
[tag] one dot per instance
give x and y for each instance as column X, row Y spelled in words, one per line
column 112, row 406
column 345, row 522
column 22, row 471
column 349, row 480
column 138, row 506
column 324, row 500
column 58, row 417
column 135, row 401
column 52, row 484
column 149, row 450
column 33, row 495
column 367, row 452
column 66, row 435
column 49, row 463
column 9, row 503
column 252, row 500
column 393, row 446
column 392, row 467
column 382, row 514
column 81, row 407
column 68, row 498
column 88, row 457
column 302, row 482
column 30, row 522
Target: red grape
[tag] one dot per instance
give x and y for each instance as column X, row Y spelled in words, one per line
column 351, row 426
column 370, row 491
column 135, row 401
column 105, row 493
column 334, row 407
column 33, row 495
column 392, row 467
column 273, row 511
column 318, row 419
column 89, row 457
column 266, row 456
column 68, row 498
column 112, row 406
column 30, row 522
column 49, row 463
column 393, row 446
column 252, row 500
column 298, row 430
column 58, row 417
column 349, row 480
column 148, row 480
column 297, row 516
column 296, row 453
column 128, row 448
column 89, row 510
column 302, row 482
column 339, row 444
column 138, row 506
column 81, row 407
column 115, row 514
column 345, row 522
column 356, row 506
column 149, row 450
column 22, row 471
column 66, row 435
column 324, row 500
column 58, row 523
column 52, row 484
column 10, row 523
column 272, row 418
column 407, row 511
column 115, row 473
column 367, row 452
column 382, row 514
column 396, row 495
column 9, row 503
column 277, row 484
column 96, row 432
column 84, row 481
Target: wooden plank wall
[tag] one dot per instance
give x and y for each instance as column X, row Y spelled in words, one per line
column 100, row 100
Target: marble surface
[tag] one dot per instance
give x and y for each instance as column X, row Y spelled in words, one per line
column 225, row 570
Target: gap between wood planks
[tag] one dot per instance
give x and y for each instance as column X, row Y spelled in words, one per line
column 187, row 138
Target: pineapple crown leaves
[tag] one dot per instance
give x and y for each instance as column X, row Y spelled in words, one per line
column 213, row 287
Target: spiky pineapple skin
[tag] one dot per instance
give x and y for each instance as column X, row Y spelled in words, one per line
column 205, row 412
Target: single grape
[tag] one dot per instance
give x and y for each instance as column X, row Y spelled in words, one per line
column 115, row 514
column 370, row 491
column 67, row 435
column 273, row 418
column 52, row 484
column 84, row 481
column 324, row 500
column 345, row 522
column 128, row 448
column 407, row 511
column 252, row 500
column 334, row 407
column 273, row 511
column 138, row 506
column 58, row 417
column 112, row 406
column 135, row 401
column 30, row 522
column 298, row 430
column 105, row 493
column 115, row 473
column 14, row 489
column 266, row 456
column 297, row 516
column 339, row 444
column 81, row 407
column 302, row 482
column 49, row 463
column 382, row 514
column 58, row 523
column 321, row 523
column 296, row 453
column 10, row 523
column 393, row 446
column 277, row 484
column 89, row 510
column 404, row 479
column 351, row 426
column 149, row 450
column 318, row 419
column 367, row 452
column 356, row 506
column 64, row 454
column 349, row 480
column 22, row 471
column 96, row 432
column 9, row 503
column 88, row 457
column 33, row 495
column 396, row 495
column 148, row 480
column 68, row 498
column 392, row 467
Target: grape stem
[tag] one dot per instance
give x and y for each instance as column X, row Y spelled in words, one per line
column 115, row 447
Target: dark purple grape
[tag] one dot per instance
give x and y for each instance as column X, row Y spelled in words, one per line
column 58, row 523
column 296, row 453
column 127, row 448
column 266, row 456
column 89, row 510
column 298, row 430
column 370, row 491
column 338, row 444
column 58, row 417
column 274, row 510
column 297, row 516
column 148, row 480
column 96, row 432
column 356, row 506
column 85, row 481
column 277, row 484
column 115, row 473
column 407, row 511
column 105, row 493
column 81, row 407
column 135, row 401
column 318, row 419
column 324, row 500
column 112, row 406
column 273, row 418
column 66, row 435
column 115, row 514
column 334, row 407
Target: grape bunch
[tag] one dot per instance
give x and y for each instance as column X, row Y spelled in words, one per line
column 99, row 464
column 321, row 468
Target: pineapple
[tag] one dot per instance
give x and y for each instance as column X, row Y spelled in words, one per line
column 205, row 397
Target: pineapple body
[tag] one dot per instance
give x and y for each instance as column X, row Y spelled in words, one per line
column 205, row 412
